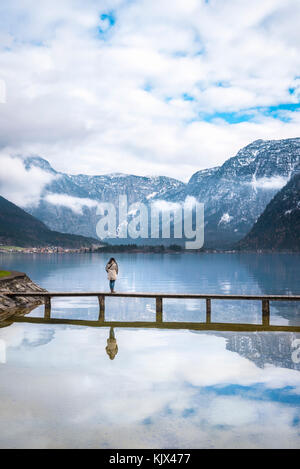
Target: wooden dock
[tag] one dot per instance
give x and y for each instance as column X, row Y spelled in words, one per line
column 159, row 297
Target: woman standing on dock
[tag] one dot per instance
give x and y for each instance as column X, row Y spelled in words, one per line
column 112, row 270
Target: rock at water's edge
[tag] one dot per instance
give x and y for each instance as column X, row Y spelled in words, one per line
column 18, row 282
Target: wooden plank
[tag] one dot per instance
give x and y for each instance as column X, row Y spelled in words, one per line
column 47, row 307
column 208, row 310
column 159, row 309
column 101, row 299
column 265, row 312
column 155, row 295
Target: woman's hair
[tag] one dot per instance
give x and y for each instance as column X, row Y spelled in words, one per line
column 112, row 259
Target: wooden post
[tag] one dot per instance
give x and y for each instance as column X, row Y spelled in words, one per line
column 266, row 312
column 101, row 300
column 47, row 313
column 208, row 310
column 159, row 309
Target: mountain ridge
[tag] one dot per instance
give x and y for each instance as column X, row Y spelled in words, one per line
column 234, row 194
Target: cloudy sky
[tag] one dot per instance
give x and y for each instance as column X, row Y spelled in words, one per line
column 147, row 86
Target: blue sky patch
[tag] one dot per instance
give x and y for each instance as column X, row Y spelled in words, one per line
column 148, row 87
column 187, row 97
column 280, row 111
column 110, row 17
column 258, row 392
column 109, row 20
column 230, row 117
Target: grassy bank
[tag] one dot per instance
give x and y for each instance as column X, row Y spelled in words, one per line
column 4, row 273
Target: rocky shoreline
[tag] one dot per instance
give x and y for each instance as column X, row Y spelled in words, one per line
column 18, row 282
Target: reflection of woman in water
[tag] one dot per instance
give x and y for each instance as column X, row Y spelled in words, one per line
column 112, row 270
column 111, row 348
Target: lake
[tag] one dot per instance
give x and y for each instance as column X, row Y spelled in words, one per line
column 66, row 386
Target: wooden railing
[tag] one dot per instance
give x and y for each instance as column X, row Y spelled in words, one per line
column 159, row 297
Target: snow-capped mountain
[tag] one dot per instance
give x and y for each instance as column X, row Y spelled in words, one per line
column 69, row 202
column 234, row 194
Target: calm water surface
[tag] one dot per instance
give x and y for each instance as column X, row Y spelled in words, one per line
column 164, row 388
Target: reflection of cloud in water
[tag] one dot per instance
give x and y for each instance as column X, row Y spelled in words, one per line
column 167, row 389
column 225, row 287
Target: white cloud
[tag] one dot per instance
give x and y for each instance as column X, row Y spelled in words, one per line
column 111, row 102
column 76, row 204
column 163, row 205
column 20, row 186
column 275, row 182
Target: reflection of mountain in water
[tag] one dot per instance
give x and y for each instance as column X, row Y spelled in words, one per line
column 264, row 348
column 276, row 274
